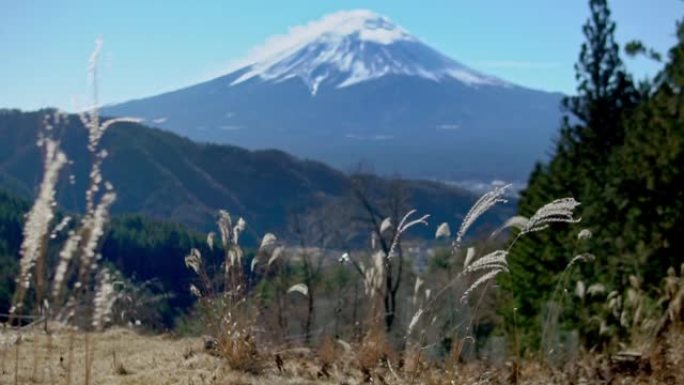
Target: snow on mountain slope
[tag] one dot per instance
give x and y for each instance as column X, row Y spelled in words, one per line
column 354, row 87
column 350, row 47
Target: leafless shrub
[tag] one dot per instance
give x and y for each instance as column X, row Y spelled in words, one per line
column 238, row 347
column 227, row 310
column 327, row 354
column 373, row 350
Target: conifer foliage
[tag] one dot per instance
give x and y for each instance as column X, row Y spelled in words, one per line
column 619, row 152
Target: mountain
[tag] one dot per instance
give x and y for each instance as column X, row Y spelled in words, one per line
column 354, row 87
column 161, row 175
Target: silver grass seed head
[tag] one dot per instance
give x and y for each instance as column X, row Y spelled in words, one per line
column 486, row 201
column 194, row 260
column 584, row 234
column 277, row 252
column 269, row 240
column 443, row 231
column 225, row 225
column 299, row 288
column 490, row 275
column 105, row 297
column 210, row 240
column 596, row 289
column 495, row 259
column 65, row 256
column 557, row 211
column 385, row 225
column 414, row 321
column 37, row 224
column 195, row 291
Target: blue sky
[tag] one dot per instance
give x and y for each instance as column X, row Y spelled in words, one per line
column 156, row 46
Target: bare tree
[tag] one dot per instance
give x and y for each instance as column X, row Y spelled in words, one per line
column 316, row 231
column 381, row 202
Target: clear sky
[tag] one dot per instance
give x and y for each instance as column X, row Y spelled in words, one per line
column 160, row 45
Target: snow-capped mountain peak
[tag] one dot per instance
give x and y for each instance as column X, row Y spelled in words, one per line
column 350, row 47
column 354, row 86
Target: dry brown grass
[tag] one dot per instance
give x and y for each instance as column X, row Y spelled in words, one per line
column 121, row 356
column 239, row 350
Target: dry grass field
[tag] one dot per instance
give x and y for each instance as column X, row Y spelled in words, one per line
column 122, row 356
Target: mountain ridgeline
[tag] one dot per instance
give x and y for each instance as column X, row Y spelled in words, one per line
column 161, row 175
column 354, row 87
column 169, row 190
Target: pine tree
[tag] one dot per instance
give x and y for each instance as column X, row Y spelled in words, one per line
column 590, row 131
column 605, row 90
column 647, row 172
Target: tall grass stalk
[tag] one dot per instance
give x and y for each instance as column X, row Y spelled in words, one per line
column 560, row 291
column 482, row 270
column 79, row 252
column 16, row 361
column 36, row 361
column 50, row 351
column 37, row 227
column 70, row 358
column 88, row 360
column 516, row 366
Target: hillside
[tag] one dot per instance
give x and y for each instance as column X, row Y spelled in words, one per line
column 161, row 175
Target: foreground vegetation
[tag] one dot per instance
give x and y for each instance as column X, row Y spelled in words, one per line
column 124, row 356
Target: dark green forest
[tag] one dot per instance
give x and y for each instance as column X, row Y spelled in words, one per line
column 620, row 152
column 144, row 250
